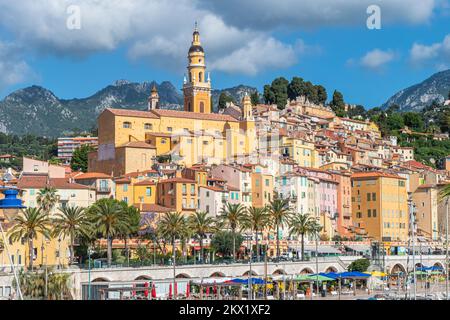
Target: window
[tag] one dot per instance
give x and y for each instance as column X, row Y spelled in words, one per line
column 170, row 129
column 358, row 215
column 148, row 126
column 374, row 197
column 193, row 189
column 32, row 192
column 257, row 182
column 184, row 189
column 125, row 187
column 192, row 203
column 369, row 213
column 205, row 143
column 125, row 199
column 127, row 125
column 148, row 192
column 163, row 141
column 374, row 213
column 207, row 194
column 401, row 183
column 368, row 197
column 207, row 209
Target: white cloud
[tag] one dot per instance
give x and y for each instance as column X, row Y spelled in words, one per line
column 377, row 58
column 13, row 69
column 268, row 14
column 258, row 54
column 437, row 54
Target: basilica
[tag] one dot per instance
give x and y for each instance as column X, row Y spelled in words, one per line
column 132, row 140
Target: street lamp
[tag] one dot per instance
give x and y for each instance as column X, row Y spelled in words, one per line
column 10, row 207
column 90, row 252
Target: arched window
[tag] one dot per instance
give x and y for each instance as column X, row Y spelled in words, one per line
column 190, row 77
column 200, row 77
column 189, row 106
column 202, row 107
column 127, row 125
column 148, row 126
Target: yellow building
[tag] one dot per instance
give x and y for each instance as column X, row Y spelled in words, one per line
column 135, row 191
column 262, row 189
column 301, row 151
column 379, row 205
column 130, row 140
column 179, row 194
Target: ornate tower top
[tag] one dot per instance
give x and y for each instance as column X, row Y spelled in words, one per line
column 153, row 100
column 197, row 84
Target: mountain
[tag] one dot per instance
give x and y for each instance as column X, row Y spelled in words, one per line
column 37, row 110
column 419, row 96
column 236, row 92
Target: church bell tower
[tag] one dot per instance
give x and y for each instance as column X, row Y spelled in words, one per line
column 197, row 85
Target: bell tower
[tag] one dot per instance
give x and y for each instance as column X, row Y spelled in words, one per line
column 197, row 85
column 153, row 100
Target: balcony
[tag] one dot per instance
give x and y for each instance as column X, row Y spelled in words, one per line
column 103, row 189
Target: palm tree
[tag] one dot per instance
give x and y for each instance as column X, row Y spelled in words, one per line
column 280, row 212
column 301, row 224
column 47, row 198
column 134, row 222
column 29, row 224
column 108, row 219
column 256, row 219
column 232, row 215
column 172, row 226
column 201, row 224
column 71, row 222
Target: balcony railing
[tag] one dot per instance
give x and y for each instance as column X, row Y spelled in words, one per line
column 104, row 189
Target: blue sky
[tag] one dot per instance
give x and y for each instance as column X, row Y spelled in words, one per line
column 324, row 41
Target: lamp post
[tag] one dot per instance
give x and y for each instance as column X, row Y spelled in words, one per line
column 250, row 289
column 89, row 272
column 412, row 218
column 446, row 251
column 10, row 206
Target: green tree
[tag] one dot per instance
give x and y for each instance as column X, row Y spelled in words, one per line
column 47, row 198
column 254, row 97
column 256, row 220
column 79, row 160
column 269, row 95
column 71, row 222
column 394, row 121
column 360, row 265
column 201, row 224
column 226, row 243
column 357, row 112
column 233, row 215
column 109, row 220
column 224, row 98
column 414, row 121
column 279, row 213
column 279, row 89
column 338, row 104
column 28, row 225
column 300, row 225
column 296, row 88
column 322, row 95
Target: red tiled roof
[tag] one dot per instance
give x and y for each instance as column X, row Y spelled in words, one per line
column 193, row 115
column 177, row 180
column 137, row 144
column 146, row 207
column 374, row 174
column 92, row 175
column 145, row 183
column 132, row 113
column 39, row 182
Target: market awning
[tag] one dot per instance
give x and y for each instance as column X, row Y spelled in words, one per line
column 319, row 277
column 354, row 275
column 246, row 281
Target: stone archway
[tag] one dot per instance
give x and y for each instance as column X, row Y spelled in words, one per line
column 331, row 269
column 183, row 276
column 217, row 274
column 279, row 272
column 101, row 279
column 306, row 271
column 247, row 273
column 144, row 277
column 398, row 268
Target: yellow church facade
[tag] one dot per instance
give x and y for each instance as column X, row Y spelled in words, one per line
column 131, row 140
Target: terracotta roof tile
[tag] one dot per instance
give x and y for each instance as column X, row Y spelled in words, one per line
column 193, row 115
column 39, row 182
column 132, row 113
column 92, row 175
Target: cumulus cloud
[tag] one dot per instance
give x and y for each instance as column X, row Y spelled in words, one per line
column 267, row 14
column 13, row 69
column 377, row 58
column 435, row 53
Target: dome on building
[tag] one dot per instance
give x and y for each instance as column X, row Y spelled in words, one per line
column 196, row 48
